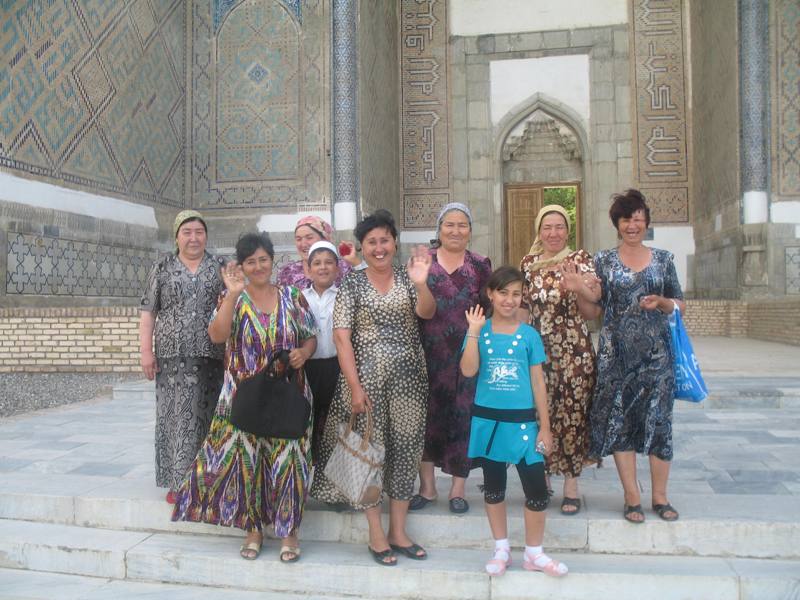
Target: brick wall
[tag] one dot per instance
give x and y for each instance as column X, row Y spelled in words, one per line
column 770, row 320
column 107, row 339
column 69, row 339
column 775, row 321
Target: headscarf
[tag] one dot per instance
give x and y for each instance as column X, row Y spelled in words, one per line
column 538, row 247
column 453, row 206
column 435, row 243
column 322, row 245
column 316, row 224
column 186, row 215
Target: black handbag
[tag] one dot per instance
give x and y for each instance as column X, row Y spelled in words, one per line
column 269, row 405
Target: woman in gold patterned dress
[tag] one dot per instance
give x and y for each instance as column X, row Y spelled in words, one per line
column 558, row 308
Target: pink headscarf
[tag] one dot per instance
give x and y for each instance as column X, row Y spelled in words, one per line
column 318, row 225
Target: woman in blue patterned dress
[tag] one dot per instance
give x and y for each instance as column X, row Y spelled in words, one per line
column 632, row 407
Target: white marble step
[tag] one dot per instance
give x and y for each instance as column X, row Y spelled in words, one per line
column 19, row 584
column 713, row 525
column 338, row 569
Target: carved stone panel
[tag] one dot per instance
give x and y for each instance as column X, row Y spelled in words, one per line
column 786, row 112
column 424, row 109
column 661, row 128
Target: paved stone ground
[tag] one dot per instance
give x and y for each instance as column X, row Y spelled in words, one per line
column 738, row 451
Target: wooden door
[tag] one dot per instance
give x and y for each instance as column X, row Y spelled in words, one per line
column 522, row 205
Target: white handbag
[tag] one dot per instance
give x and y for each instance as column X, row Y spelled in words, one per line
column 355, row 466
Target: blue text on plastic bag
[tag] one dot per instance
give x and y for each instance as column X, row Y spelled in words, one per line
column 689, row 384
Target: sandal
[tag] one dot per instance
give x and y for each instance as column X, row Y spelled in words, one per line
column 250, row 550
column 458, row 505
column 412, row 551
column 633, row 509
column 380, row 557
column 497, row 565
column 289, row 554
column 575, row 502
column 662, row 509
column 418, row 502
column 552, row 567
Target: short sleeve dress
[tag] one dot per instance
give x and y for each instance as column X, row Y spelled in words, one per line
column 190, row 366
column 633, row 400
column 570, row 369
column 391, row 368
column 504, row 382
column 450, row 393
column 239, row 479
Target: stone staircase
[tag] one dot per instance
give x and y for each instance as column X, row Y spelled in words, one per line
column 68, row 535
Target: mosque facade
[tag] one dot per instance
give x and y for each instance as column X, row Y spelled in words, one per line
column 115, row 115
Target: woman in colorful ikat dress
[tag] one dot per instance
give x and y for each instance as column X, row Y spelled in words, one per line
column 179, row 297
column 239, row 479
column 455, row 280
column 558, row 306
column 383, row 367
column 632, row 406
column 307, row 231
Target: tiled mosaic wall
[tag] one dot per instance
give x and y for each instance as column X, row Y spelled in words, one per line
column 43, row 265
column 786, row 101
column 92, row 95
column 259, row 131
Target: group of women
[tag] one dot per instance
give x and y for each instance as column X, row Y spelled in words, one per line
column 402, row 365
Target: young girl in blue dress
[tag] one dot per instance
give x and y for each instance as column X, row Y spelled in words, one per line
column 507, row 356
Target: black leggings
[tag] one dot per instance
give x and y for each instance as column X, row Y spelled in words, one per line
column 531, row 476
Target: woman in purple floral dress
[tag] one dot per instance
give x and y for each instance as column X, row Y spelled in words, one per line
column 455, row 279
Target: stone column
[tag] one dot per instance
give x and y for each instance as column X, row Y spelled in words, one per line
column 754, row 102
column 346, row 183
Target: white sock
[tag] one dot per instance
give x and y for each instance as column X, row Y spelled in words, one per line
column 540, row 559
column 502, row 551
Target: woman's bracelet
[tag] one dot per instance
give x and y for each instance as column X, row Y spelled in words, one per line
column 472, row 335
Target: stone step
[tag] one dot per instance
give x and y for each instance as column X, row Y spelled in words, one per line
column 338, row 569
column 38, row 585
column 134, row 390
column 713, row 525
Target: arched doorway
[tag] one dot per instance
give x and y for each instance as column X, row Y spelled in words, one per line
column 541, row 158
column 542, row 165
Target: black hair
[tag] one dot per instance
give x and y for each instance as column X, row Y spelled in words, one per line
column 250, row 242
column 500, row 278
column 626, row 204
column 190, row 220
column 381, row 218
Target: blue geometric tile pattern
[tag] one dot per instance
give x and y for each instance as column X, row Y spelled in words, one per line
column 92, row 94
column 221, row 8
column 257, row 121
column 56, row 266
column 259, row 139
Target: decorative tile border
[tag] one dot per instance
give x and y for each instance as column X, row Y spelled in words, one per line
column 42, row 265
column 659, row 91
column 786, row 118
column 424, row 119
column 792, row 257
